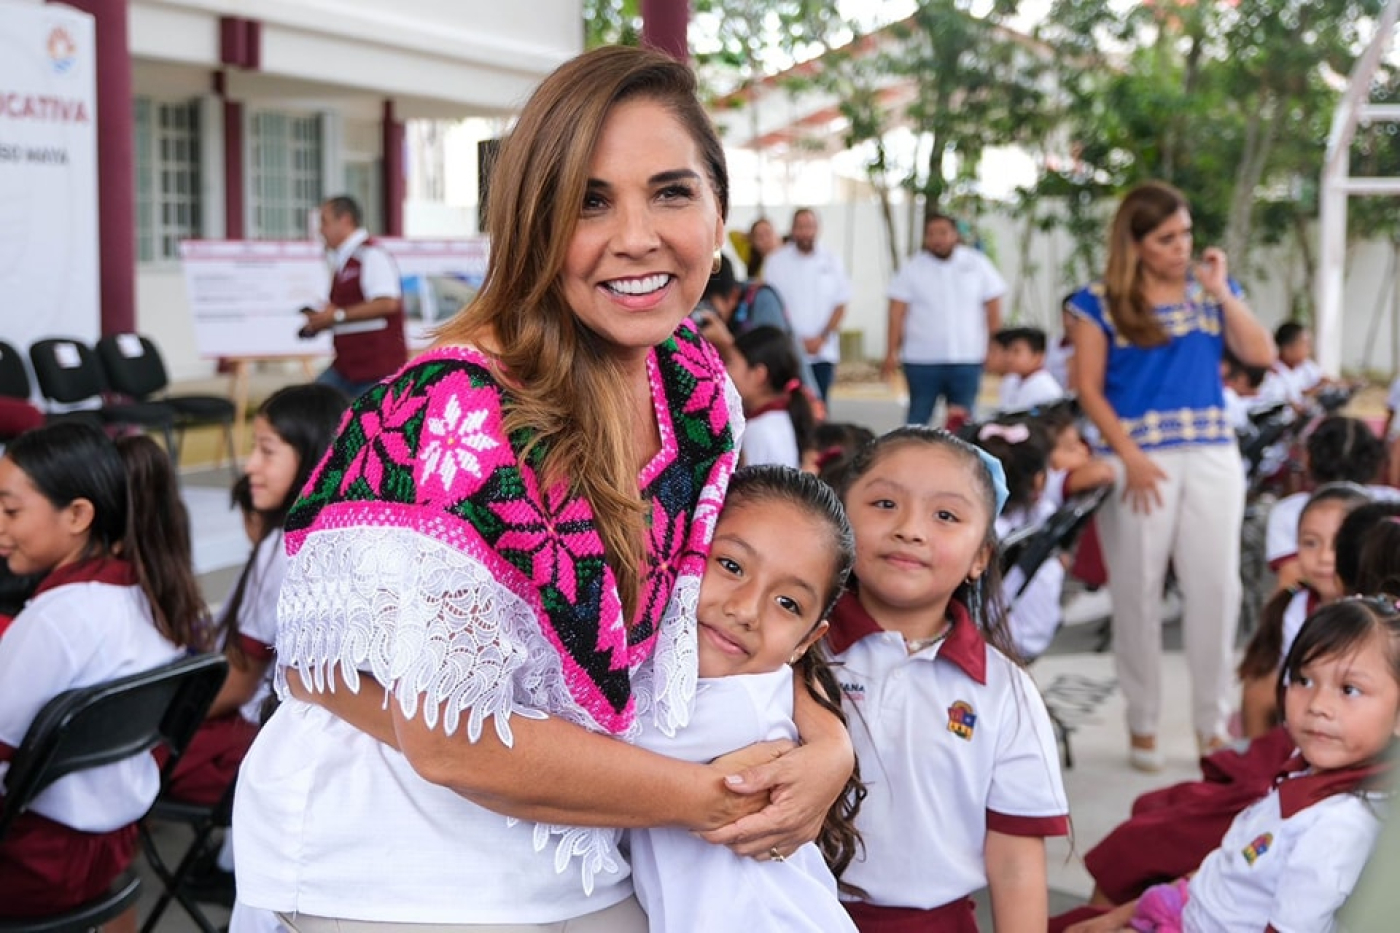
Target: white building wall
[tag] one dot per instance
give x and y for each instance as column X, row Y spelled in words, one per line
column 436, row 59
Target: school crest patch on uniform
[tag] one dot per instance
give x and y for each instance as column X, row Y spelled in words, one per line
column 1258, row 847
column 962, row 720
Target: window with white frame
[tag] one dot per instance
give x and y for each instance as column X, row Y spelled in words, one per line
column 168, row 184
column 284, row 174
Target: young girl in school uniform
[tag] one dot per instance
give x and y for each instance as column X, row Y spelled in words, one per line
column 956, row 748
column 767, row 373
column 1289, row 861
column 118, row 597
column 779, row 558
column 291, row 431
column 1035, row 491
column 1283, row 615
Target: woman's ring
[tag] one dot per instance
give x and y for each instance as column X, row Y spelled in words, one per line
column 775, row 855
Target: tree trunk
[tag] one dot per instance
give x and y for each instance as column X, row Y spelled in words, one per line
column 1300, row 236
column 1259, row 138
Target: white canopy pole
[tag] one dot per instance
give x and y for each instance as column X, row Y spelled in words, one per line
column 1337, row 186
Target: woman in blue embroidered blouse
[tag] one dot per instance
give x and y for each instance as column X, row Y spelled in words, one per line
column 1148, row 342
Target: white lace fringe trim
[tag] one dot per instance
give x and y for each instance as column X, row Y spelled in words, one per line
column 432, row 625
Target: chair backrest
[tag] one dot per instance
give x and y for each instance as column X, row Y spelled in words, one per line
column 67, row 370
column 94, row 726
column 132, row 364
column 1057, row 532
column 14, row 380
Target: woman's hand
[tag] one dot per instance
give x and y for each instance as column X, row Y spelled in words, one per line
column 800, row 786
column 1140, row 483
column 1111, row 922
column 1213, row 272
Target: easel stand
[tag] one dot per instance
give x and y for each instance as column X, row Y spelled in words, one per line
column 239, row 370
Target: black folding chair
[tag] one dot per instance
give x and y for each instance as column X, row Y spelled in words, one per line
column 203, row 822
column 14, row 383
column 69, row 373
column 134, row 367
column 94, row 726
column 1030, row 548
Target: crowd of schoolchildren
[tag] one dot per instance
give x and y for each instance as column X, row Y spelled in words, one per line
column 883, row 593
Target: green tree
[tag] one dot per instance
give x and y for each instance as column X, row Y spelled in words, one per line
column 611, row 22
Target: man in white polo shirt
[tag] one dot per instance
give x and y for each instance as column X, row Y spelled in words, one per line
column 944, row 305
column 814, row 289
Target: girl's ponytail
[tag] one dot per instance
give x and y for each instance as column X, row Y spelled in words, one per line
column 838, row 840
column 1265, row 648
column 157, row 543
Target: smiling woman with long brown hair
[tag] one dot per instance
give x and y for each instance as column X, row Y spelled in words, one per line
column 1148, row 341
column 494, row 570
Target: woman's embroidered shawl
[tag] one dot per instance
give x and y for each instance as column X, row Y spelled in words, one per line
column 425, row 553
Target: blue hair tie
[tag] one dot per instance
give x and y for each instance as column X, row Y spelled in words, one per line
column 998, row 472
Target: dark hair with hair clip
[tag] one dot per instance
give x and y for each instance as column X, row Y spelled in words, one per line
column 1342, row 449
column 839, row 841
column 1265, row 649
column 137, row 513
column 1021, row 448
column 771, row 348
column 1379, row 570
column 1352, row 534
column 836, row 442
column 982, row 596
column 1340, row 628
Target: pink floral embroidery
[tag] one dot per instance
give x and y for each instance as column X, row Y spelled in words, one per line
column 383, row 430
column 665, row 549
column 459, row 446
column 555, row 529
column 708, row 396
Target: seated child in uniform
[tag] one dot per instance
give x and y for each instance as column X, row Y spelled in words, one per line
column 1288, row 862
column 1173, row 828
column 103, row 524
column 1035, row 493
column 1339, row 450
column 1285, row 611
column 1023, row 350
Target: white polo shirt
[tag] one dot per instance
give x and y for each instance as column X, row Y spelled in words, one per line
column 1039, row 388
column 952, row 742
column 1295, row 381
column 685, row 883
column 1034, row 616
column 811, row 285
column 257, row 617
column 947, row 317
column 769, row 438
column 1289, row 861
column 1303, row 604
column 87, row 624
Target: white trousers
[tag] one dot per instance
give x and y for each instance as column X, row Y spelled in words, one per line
column 1197, row 529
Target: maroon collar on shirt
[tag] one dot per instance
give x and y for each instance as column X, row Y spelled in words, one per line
column 1299, row 793
column 777, row 404
column 111, row 570
column 964, row 645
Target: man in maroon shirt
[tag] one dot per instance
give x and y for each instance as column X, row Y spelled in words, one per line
column 365, row 309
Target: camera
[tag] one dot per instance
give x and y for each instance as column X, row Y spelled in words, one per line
column 701, row 314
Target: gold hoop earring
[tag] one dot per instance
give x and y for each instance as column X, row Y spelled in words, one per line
column 719, row 261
